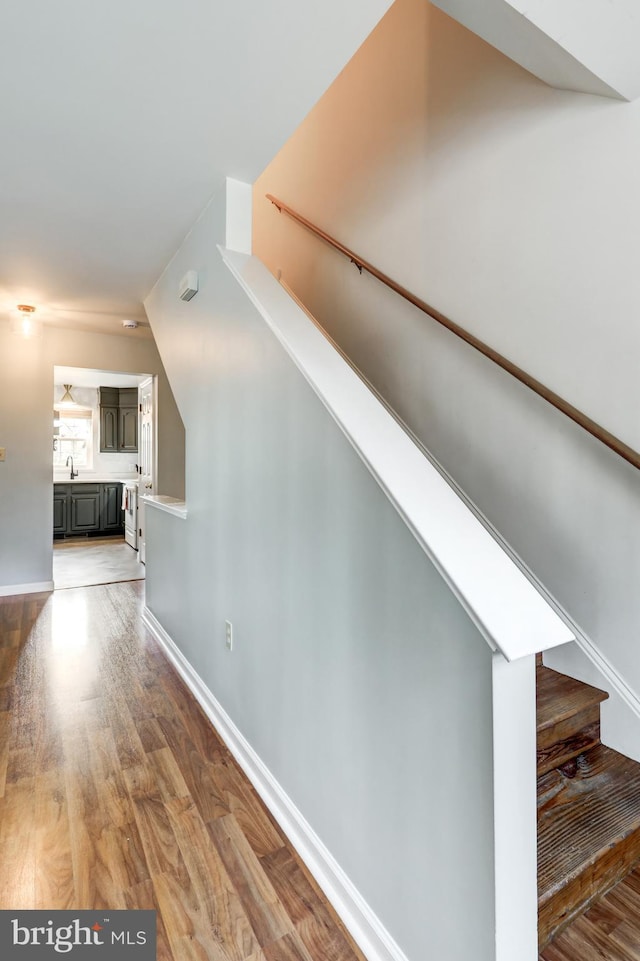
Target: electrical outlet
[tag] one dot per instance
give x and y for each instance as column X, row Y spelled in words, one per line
column 228, row 627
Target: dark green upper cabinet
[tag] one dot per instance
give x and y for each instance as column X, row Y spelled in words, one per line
column 118, row 419
column 127, row 396
column 128, row 428
column 108, row 429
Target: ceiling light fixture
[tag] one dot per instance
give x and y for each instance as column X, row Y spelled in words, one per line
column 25, row 323
column 129, row 324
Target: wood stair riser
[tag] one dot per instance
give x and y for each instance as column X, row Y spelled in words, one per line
column 561, row 698
column 567, row 739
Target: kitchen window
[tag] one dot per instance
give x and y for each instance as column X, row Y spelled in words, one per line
column 73, row 435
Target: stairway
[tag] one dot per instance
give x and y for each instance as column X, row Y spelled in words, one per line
column 588, row 803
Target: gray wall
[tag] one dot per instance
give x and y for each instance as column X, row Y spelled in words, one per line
column 26, row 477
column 355, row 675
column 513, row 208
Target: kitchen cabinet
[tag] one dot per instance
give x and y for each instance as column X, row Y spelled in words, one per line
column 60, row 512
column 111, row 507
column 118, row 420
column 128, row 428
column 108, row 429
column 86, row 508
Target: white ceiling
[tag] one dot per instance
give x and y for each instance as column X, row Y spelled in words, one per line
column 119, row 118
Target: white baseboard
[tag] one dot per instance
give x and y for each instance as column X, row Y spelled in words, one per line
column 362, row 923
column 41, row 587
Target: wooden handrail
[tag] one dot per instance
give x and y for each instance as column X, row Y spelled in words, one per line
column 603, row 435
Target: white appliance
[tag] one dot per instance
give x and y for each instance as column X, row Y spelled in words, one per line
column 130, row 508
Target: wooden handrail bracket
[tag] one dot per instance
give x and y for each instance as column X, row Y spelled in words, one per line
column 593, row 428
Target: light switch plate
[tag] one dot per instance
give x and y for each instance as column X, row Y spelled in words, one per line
column 3, row 451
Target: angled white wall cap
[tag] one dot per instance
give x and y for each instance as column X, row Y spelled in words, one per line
column 507, row 609
column 582, row 45
column 170, row 505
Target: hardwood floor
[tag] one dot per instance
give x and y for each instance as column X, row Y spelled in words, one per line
column 609, row 931
column 115, row 792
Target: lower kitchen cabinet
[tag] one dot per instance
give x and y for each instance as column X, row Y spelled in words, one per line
column 60, row 511
column 87, row 509
column 111, row 507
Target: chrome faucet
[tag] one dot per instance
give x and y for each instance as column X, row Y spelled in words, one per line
column 73, row 473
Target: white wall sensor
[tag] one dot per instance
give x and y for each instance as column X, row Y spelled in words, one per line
column 188, row 285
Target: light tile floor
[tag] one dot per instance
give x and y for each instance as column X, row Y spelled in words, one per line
column 80, row 562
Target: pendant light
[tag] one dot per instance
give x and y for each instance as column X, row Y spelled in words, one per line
column 67, row 400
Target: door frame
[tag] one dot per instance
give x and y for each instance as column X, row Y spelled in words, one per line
column 152, row 380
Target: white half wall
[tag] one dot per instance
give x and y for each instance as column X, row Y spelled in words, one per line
column 504, row 605
column 356, row 677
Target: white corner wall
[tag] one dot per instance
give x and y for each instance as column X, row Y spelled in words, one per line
column 356, row 678
column 513, row 208
column 582, row 45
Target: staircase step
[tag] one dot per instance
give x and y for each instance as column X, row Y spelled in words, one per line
column 560, row 697
column 568, row 718
column 582, row 734
column 588, row 835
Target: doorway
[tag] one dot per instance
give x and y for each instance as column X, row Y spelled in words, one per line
column 147, row 468
column 96, row 474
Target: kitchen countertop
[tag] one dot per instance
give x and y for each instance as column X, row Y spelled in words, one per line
column 98, row 479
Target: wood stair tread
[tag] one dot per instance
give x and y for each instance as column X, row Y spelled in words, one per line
column 560, row 697
column 580, row 822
